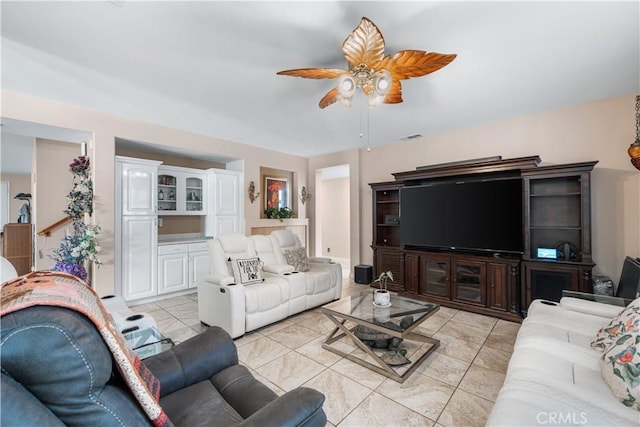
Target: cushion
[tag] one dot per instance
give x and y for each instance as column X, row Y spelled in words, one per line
column 628, row 321
column 298, row 258
column 621, row 369
column 246, row 270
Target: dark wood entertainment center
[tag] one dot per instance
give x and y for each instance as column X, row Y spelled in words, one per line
column 556, row 213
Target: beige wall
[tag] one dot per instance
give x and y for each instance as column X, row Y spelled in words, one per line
column 595, row 131
column 17, row 184
column 333, row 196
column 168, row 159
column 106, row 128
column 181, row 224
column 53, row 182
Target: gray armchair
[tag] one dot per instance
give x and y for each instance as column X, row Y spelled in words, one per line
column 57, row 370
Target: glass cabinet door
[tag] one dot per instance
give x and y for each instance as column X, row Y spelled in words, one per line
column 469, row 280
column 435, row 277
column 194, row 194
column 167, row 194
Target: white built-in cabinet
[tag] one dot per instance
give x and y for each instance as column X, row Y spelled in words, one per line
column 181, row 191
column 136, row 228
column 173, row 268
column 137, row 185
column 198, row 262
column 181, row 266
column 225, row 203
column 146, row 189
column 138, row 257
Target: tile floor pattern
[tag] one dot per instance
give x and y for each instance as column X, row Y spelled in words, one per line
column 455, row 386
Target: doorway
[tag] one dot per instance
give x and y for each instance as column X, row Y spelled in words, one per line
column 333, row 215
column 20, row 169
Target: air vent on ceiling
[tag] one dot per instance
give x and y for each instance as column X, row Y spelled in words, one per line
column 410, row 137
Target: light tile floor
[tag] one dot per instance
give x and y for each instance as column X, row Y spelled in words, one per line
column 455, row 386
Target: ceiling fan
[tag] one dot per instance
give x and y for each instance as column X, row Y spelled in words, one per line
column 378, row 75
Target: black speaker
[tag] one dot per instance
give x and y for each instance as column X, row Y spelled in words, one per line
column 549, row 284
column 567, row 251
column 363, row 274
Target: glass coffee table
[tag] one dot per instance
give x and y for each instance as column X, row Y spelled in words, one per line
column 356, row 314
column 147, row 342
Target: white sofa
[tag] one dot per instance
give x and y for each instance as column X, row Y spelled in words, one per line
column 319, row 267
column 239, row 308
column 7, row 270
column 554, row 376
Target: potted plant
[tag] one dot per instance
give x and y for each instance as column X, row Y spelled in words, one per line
column 381, row 296
column 279, row 213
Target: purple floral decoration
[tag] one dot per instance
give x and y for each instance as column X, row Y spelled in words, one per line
column 74, row 269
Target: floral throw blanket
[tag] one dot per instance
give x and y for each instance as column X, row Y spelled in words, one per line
column 64, row 290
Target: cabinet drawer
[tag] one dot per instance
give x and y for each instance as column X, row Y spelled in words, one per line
column 173, row 249
column 200, row 246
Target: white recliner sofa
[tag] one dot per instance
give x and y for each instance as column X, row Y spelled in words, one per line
column 7, row 270
column 317, row 288
column 240, row 308
column 554, row 375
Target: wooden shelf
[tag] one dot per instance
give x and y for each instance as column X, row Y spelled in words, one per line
column 556, row 209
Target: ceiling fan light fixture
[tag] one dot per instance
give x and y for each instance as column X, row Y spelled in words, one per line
column 346, row 89
column 382, row 82
column 364, row 51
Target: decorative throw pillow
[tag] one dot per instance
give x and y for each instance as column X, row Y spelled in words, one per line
column 246, row 270
column 298, row 258
column 628, row 321
column 621, row 369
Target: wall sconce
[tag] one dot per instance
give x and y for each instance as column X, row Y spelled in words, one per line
column 253, row 196
column 304, row 196
column 634, row 149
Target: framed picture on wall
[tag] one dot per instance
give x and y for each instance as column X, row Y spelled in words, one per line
column 278, row 194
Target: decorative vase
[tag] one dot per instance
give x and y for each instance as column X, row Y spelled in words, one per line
column 77, row 270
column 382, row 298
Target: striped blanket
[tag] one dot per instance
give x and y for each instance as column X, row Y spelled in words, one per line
column 64, row 290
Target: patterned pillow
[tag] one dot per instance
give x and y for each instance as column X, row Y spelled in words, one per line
column 298, row 258
column 621, row 369
column 628, row 321
column 246, row 270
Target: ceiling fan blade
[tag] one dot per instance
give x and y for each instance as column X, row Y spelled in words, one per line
column 394, row 96
column 365, row 45
column 314, row 73
column 329, row 98
column 415, row 63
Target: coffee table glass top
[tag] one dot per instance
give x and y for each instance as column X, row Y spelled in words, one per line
column 360, row 306
column 147, row 342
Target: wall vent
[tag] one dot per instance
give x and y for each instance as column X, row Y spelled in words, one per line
column 410, row 137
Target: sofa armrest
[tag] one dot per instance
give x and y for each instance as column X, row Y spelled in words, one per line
column 595, row 305
column 320, row 259
column 299, row 407
column 278, row 268
column 219, row 279
column 194, row 360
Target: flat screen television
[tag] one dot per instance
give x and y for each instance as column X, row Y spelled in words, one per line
column 472, row 216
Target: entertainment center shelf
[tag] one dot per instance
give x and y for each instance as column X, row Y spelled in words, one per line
column 532, row 211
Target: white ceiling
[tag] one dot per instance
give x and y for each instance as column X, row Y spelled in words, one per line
column 210, row 67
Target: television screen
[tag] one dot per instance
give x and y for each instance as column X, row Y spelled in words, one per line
column 474, row 215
